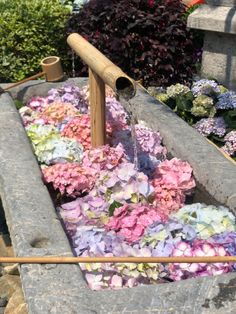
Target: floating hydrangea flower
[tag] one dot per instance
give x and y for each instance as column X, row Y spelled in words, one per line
column 69, row 178
column 228, row 240
column 177, row 90
column 149, row 141
column 198, row 248
column 123, row 184
column 103, row 158
column 79, row 129
column 57, row 149
column 131, row 220
column 115, row 113
column 207, row 220
column 172, row 181
column 69, row 94
column 30, row 116
column 39, row 133
column 203, row 106
column 57, row 112
column 230, row 143
column 92, row 210
column 149, row 146
column 162, row 237
column 208, row 126
column 226, row 101
column 205, row 87
column 37, row 103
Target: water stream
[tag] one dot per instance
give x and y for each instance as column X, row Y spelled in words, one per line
column 73, row 63
column 128, row 104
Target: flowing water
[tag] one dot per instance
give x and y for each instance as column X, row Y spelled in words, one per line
column 73, row 62
column 128, row 104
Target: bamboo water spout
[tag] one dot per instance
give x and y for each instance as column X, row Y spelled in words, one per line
column 101, row 71
column 111, row 74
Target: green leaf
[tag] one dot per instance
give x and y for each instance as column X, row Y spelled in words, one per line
column 113, row 206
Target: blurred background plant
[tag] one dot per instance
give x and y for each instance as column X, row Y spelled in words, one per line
column 30, row 31
column 148, row 39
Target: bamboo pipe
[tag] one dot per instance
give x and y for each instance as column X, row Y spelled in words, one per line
column 111, row 74
column 104, row 259
column 52, row 70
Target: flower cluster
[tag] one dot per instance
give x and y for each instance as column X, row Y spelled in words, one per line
column 103, row 158
column 131, row 220
column 123, row 184
column 226, row 101
column 69, row 94
column 172, row 181
column 57, row 112
column 69, row 178
column 162, row 237
column 198, row 248
column 203, row 106
column 109, row 207
column 206, row 220
column 177, row 90
column 210, row 126
column 230, row 143
column 205, row 87
column 80, row 130
column 115, row 114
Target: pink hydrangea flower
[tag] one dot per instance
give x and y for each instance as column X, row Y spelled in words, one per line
column 37, row 103
column 131, row 220
column 172, row 181
column 69, row 178
column 79, row 129
column 103, row 158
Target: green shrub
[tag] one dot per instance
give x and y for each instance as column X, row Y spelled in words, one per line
column 30, row 30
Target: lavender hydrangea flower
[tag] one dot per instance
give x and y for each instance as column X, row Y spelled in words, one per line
column 162, row 237
column 230, row 143
column 205, row 87
column 69, row 94
column 226, row 101
column 209, row 126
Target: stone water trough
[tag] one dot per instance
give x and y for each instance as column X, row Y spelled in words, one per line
column 35, row 228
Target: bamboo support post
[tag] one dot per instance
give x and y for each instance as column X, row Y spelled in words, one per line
column 104, row 259
column 97, row 111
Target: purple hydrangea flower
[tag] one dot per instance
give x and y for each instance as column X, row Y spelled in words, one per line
column 69, row 94
column 209, row 126
column 226, row 101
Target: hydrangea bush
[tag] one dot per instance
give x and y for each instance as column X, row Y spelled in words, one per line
column 208, row 106
column 110, row 206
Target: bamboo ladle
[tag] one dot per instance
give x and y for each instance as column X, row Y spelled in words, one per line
column 51, row 69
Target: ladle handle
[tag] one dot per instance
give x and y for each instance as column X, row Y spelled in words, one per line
column 25, row 80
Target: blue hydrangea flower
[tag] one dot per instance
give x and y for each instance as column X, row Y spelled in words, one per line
column 209, row 126
column 226, row 101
